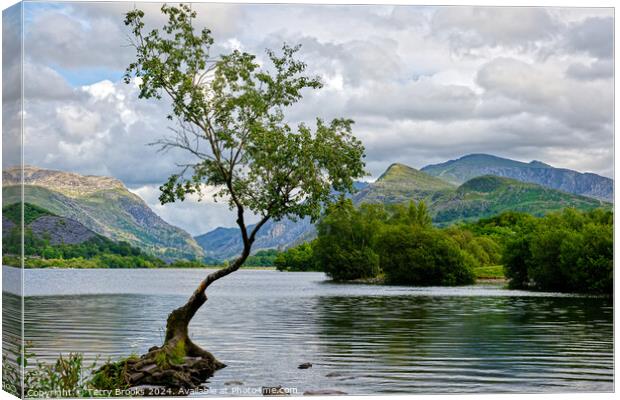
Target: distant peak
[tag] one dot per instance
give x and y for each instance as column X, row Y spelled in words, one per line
column 477, row 155
column 536, row 163
column 396, row 168
column 481, row 156
column 68, row 183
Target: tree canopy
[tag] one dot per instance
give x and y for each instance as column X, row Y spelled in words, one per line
column 231, row 116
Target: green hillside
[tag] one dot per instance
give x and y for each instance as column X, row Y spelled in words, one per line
column 490, row 195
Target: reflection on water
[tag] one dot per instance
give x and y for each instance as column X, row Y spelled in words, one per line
column 368, row 339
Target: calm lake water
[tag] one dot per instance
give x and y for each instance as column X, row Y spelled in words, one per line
column 361, row 339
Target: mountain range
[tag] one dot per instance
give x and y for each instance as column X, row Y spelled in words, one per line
column 465, row 189
column 472, row 187
column 101, row 204
column 471, row 166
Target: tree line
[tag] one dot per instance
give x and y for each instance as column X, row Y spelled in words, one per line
column 568, row 251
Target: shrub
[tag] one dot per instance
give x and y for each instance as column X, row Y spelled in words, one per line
column 415, row 255
column 298, row 258
column 345, row 237
column 570, row 252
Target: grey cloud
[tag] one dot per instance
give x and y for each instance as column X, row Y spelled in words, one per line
column 593, row 36
column 522, row 137
column 42, row 82
column 11, row 86
column 472, row 27
column 540, row 92
column 222, row 19
column 94, row 34
column 599, row 69
column 418, row 100
column 356, row 61
column 60, row 39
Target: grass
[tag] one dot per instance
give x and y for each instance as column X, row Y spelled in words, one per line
column 490, row 272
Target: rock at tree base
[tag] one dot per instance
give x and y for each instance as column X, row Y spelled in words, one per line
column 153, row 371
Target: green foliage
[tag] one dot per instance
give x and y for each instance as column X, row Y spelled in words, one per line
column 11, row 376
column 262, row 258
column 570, row 251
column 161, row 359
column 483, row 250
column 418, row 255
column 298, row 258
column 110, row 376
column 231, row 113
column 187, row 264
column 12, row 212
column 490, row 272
column 67, row 377
column 398, row 241
column 97, row 252
column 344, row 246
column 178, row 353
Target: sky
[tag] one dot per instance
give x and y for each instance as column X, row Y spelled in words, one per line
column 423, row 84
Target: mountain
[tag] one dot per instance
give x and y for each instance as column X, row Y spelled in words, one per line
column 489, row 195
column 471, row 166
column 447, row 202
column 103, row 205
column 225, row 243
column 401, row 183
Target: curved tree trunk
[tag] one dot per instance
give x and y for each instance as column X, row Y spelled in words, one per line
column 179, row 319
column 177, row 324
column 179, row 363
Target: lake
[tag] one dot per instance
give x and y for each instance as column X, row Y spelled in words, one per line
column 361, row 339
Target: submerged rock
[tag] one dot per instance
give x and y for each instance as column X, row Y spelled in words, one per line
column 305, row 365
column 324, row 392
column 233, row 383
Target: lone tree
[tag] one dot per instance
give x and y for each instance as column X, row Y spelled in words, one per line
column 230, row 111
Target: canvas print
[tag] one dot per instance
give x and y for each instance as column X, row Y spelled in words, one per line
column 225, row 200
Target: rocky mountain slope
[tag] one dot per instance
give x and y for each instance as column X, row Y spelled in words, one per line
column 44, row 225
column 103, row 205
column 471, row 166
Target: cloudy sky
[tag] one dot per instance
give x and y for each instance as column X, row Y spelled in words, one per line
column 424, row 85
